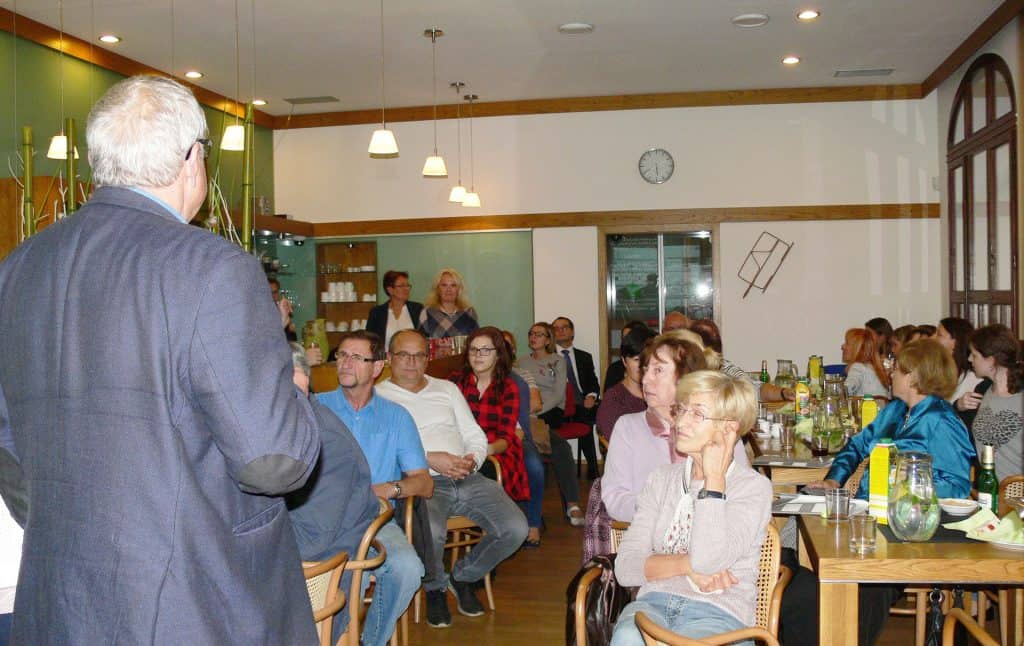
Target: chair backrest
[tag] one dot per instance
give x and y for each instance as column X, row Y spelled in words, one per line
column 767, row 577
column 618, row 528
column 570, row 401
column 323, row 579
column 360, row 564
column 1012, row 487
column 853, row 482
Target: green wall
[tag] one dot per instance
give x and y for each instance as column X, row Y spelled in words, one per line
column 497, row 267
column 37, row 71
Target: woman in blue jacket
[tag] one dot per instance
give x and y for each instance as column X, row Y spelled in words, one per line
column 918, row 419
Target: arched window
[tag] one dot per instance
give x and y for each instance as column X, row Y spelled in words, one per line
column 982, row 165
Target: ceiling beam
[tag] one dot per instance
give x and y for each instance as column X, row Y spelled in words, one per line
column 985, row 31
column 47, row 36
column 613, row 102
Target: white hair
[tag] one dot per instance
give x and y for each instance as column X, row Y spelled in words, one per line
column 140, row 131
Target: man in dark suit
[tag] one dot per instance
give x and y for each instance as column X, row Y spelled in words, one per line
column 583, row 377
column 148, row 417
column 398, row 312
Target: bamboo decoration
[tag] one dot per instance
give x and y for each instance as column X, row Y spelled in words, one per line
column 247, row 179
column 71, row 198
column 28, row 216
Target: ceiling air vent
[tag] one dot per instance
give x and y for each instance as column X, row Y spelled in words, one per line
column 862, row 72
column 309, row 100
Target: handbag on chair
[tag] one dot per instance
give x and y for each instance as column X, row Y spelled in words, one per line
column 602, row 601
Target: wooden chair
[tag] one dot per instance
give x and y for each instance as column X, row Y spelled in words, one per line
column 1009, row 486
column 356, row 611
column 1013, row 487
column 323, row 581
column 619, row 528
column 772, row 579
column 853, row 482
column 957, row 616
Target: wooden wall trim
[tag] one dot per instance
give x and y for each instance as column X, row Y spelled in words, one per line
column 985, row 31
column 605, row 103
column 47, row 36
column 281, row 225
column 626, row 218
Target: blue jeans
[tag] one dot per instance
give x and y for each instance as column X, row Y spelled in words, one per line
column 682, row 615
column 5, row 628
column 484, row 502
column 397, row 580
column 535, row 474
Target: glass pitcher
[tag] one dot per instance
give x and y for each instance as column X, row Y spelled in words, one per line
column 784, row 374
column 913, row 507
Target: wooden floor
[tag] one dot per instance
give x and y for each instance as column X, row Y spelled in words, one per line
column 529, row 593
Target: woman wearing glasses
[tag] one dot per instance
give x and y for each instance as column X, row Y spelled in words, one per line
column 494, row 400
column 695, row 541
column 398, row 313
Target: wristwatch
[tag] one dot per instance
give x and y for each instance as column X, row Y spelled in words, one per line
column 704, row 493
column 398, row 489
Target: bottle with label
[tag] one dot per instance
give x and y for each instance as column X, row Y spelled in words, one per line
column 988, row 484
column 880, row 479
column 765, row 377
column 802, row 399
column 868, row 411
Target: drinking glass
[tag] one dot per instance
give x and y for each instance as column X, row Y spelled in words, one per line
column 819, row 444
column 862, row 534
column 837, row 505
column 786, row 436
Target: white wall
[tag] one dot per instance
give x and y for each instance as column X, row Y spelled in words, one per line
column 838, row 275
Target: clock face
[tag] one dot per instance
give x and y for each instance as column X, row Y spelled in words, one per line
column 656, row 166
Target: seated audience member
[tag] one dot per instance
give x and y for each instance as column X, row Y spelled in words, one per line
column 695, row 542
column 627, row 396
column 675, row 321
column 530, row 402
column 284, row 308
column 10, row 559
column 446, row 310
column 616, row 371
column 883, row 336
column 954, row 334
column 387, row 435
column 398, row 312
column 865, row 374
column 494, row 400
column 925, row 331
column 549, row 373
column 903, row 335
column 996, row 357
column 456, row 448
column 712, row 338
column 331, row 512
column 918, row 419
column 582, row 377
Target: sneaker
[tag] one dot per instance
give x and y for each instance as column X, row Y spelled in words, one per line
column 465, row 598
column 575, row 516
column 437, row 609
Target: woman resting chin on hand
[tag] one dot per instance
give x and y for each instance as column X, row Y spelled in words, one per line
column 695, row 541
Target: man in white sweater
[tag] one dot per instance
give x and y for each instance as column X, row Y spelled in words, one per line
column 456, row 446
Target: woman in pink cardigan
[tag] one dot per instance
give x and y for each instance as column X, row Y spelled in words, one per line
column 695, row 541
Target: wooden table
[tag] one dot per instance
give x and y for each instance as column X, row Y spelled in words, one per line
column 840, row 572
column 787, row 478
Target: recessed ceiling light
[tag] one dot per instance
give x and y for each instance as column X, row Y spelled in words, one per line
column 808, row 14
column 258, row 102
column 576, row 28
column 110, row 39
column 791, row 60
column 194, row 74
column 747, row 20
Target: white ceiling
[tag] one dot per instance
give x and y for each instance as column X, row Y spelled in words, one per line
column 508, row 50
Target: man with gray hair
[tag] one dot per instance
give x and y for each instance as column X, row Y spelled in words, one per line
column 149, row 423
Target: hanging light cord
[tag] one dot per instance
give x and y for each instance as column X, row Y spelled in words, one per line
column 238, row 66
column 60, row 11
column 382, row 122
column 252, row 79
column 172, row 39
column 433, row 50
column 472, row 172
column 458, row 129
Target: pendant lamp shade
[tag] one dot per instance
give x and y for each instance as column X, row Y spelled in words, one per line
column 458, row 194
column 383, row 143
column 472, row 200
column 59, row 148
column 234, row 138
column 434, row 167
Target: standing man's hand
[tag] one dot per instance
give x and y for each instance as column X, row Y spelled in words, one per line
column 284, row 308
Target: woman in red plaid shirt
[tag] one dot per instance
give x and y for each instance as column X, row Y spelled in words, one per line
column 494, row 400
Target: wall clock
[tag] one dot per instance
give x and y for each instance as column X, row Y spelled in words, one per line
column 656, row 166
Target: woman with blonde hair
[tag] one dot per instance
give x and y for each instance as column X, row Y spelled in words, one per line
column 865, row 374
column 446, row 310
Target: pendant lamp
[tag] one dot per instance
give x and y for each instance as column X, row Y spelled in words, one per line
column 234, row 135
column 382, row 143
column 434, row 166
column 59, row 142
column 458, row 192
column 472, row 198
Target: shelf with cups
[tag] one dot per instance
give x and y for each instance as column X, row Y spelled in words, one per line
column 346, row 285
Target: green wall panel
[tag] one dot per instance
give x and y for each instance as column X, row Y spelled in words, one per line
column 30, row 80
column 497, row 267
